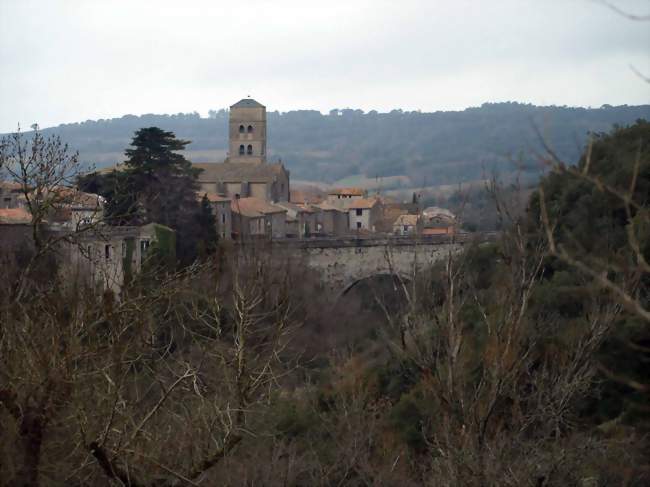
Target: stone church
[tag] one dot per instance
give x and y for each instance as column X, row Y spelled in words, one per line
column 245, row 171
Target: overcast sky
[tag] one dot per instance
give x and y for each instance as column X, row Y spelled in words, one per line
column 73, row 60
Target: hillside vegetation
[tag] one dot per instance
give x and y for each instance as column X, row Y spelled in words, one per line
column 424, row 149
column 520, row 361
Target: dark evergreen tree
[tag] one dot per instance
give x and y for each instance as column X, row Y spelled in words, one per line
column 594, row 224
column 206, row 223
column 158, row 185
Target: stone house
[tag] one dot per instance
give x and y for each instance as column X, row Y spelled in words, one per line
column 222, row 214
column 438, row 221
column 364, row 214
column 301, row 219
column 15, row 233
column 11, row 195
column 75, row 209
column 100, row 256
column 108, row 256
column 344, row 197
column 254, row 217
column 331, row 220
column 406, row 225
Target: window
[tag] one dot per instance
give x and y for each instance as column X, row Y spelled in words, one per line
column 406, row 228
column 107, row 251
column 250, row 129
column 241, row 129
column 223, row 218
column 358, row 225
column 249, row 150
column 359, row 212
column 241, row 150
column 144, row 246
column 123, row 249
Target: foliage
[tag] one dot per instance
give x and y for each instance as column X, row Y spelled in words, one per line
column 599, row 210
column 497, row 366
column 430, row 148
column 157, row 185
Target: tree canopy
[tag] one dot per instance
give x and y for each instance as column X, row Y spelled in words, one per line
column 157, row 185
column 426, row 148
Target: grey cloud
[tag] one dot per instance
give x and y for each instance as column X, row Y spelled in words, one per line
column 69, row 60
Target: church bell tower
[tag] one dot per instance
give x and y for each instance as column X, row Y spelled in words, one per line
column 247, row 132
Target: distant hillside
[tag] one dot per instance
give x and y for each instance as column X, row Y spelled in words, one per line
column 422, row 148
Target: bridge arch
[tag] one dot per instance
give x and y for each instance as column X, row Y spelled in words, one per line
column 347, row 287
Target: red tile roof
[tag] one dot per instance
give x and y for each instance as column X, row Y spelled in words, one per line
column 15, row 216
column 254, row 207
column 363, row 203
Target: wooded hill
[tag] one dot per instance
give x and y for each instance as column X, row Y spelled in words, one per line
column 424, row 148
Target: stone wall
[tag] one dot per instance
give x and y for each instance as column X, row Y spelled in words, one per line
column 342, row 267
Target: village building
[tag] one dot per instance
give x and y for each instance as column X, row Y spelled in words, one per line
column 438, row 221
column 343, row 197
column 222, row 214
column 309, row 195
column 364, row 213
column 108, row 256
column 331, row 220
column 11, row 195
column 301, row 220
column 15, row 232
column 99, row 256
column 255, row 217
column 406, row 225
column 245, row 172
column 75, row 209
column 87, row 250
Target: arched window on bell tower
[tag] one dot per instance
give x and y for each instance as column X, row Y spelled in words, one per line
column 250, row 129
column 241, row 150
column 249, row 150
column 241, row 129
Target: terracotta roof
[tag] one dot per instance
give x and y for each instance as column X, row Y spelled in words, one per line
column 305, row 196
column 407, row 220
column 15, row 216
column 10, row 186
column 254, row 207
column 213, row 197
column 363, row 203
column 238, row 171
column 325, row 206
column 294, row 207
column 347, row 191
column 73, row 198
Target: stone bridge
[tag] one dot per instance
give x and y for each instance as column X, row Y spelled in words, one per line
column 343, row 262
